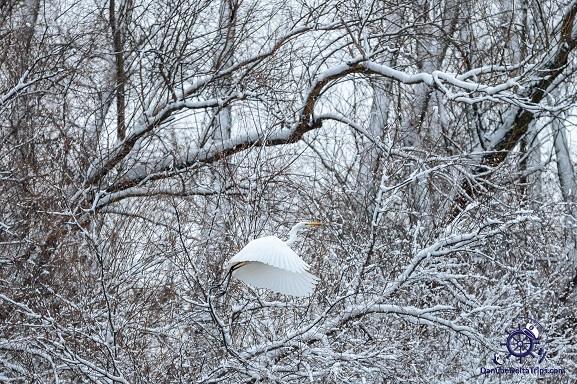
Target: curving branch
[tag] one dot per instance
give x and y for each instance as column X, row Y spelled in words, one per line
column 306, row 121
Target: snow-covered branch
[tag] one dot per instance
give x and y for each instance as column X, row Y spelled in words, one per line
column 450, row 244
column 306, row 121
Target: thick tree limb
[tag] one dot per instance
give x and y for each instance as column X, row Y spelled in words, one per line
column 517, row 120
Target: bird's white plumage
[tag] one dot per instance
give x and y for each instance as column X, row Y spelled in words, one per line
column 262, row 275
column 272, row 251
column 270, row 263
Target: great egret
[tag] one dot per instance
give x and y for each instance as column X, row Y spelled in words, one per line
column 269, row 262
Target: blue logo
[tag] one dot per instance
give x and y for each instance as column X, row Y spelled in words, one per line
column 524, row 347
column 528, row 339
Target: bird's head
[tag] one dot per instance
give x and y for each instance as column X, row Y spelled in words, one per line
column 295, row 230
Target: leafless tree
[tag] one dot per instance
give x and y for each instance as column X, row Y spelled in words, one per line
column 144, row 143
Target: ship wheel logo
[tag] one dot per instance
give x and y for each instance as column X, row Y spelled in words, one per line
column 528, row 339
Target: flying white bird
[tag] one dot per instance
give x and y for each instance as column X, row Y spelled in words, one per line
column 269, row 262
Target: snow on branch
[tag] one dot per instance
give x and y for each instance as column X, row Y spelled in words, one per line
column 22, row 84
column 91, row 369
column 22, row 307
column 420, row 315
column 306, row 122
column 22, row 348
column 453, row 243
column 102, row 199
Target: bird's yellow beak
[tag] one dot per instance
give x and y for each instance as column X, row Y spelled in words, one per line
column 315, row 223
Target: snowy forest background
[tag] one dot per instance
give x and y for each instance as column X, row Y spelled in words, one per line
column 143, row 143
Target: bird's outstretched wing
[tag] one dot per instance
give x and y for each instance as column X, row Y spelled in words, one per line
column 272, row 251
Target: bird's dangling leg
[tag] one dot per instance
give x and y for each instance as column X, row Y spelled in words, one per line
column 217, row 288
column 226, row 280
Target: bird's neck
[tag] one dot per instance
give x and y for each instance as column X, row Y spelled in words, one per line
column 293, row 234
